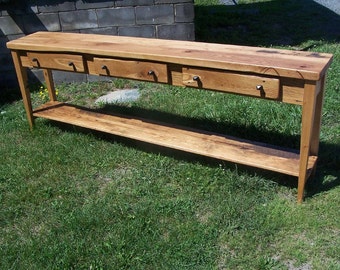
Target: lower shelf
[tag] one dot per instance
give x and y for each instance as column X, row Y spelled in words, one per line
column 189, row 140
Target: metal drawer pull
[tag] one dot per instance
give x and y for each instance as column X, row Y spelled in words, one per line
column 259, row 87
column 104, row 67
column 151, row 72
column 196, row 78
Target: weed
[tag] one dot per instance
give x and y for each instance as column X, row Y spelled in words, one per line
column 43, row 93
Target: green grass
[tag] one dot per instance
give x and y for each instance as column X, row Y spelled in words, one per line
column 73, row 199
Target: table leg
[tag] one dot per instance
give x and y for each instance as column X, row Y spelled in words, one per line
column 22, row 79
column 307, row 128
column 317, row 119
column 50, row 84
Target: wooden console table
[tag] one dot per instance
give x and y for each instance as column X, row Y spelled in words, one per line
column 288, row 76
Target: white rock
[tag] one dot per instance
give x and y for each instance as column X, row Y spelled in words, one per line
column 125, row 95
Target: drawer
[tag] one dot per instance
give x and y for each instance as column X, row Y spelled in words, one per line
column 225, row 81
column 131, row 69
column 60, row 61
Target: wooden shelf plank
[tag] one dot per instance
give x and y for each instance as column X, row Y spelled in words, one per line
column 189, row 140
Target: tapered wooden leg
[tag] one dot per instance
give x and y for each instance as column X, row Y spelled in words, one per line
column 22, row 79
column 315, row 141
column 50, row 84
column 308, row 118
column 317, row 119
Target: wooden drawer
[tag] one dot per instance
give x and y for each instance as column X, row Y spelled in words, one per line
column 131, row 69
column 225, row 81
column 60, row 61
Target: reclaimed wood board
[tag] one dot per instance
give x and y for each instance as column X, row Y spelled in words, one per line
column 266, row 61
column 199, row 142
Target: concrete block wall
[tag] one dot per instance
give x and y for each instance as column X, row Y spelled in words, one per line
column 166, row 19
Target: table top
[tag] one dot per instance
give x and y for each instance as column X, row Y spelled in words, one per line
column 259, row 60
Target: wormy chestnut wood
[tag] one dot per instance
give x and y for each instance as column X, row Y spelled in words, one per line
column 281, row 75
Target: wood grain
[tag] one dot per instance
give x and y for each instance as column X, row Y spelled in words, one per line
column 61, row 61
column 233, row 83
column 290, row 76
column 189, row 140
column 132, row 69
column 281, row 63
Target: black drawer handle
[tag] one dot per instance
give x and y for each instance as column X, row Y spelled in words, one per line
column 71, row 64
column 103, row 67
column 34, row 59
column 151, row 72
column 259, row 87
column 196, row 78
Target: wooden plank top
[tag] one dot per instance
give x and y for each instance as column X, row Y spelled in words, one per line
column 267, row 61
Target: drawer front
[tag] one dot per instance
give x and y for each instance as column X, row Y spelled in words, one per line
column 67, row 62
column 249, row 85
column 131, row 69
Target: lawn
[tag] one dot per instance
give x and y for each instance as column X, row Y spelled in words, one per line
column 75, row 199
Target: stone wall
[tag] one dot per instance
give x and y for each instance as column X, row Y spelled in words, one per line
column 166, row 19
